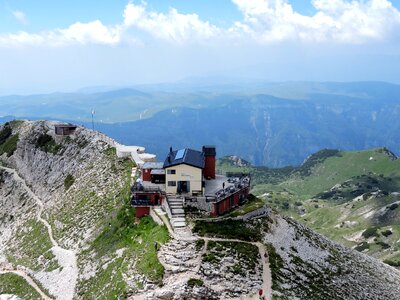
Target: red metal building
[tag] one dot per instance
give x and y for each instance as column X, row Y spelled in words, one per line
column 225, row 204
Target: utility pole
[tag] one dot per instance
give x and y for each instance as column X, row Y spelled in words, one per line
column 93, row 112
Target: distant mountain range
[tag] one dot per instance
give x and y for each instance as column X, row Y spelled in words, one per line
column 271, row 124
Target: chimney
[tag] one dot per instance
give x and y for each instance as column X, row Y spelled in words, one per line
column 170, row 149
column 209, row 165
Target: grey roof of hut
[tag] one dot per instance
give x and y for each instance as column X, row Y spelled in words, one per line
column 186, row 156
column 153, row 165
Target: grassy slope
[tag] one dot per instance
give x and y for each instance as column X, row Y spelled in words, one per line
column 121, row 247
column 289, row 190
column 32, row 248
column 336, row 169
column 16, row 285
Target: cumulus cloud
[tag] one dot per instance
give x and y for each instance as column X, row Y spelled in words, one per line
column 20, row 17
column 171, row 26
column 264, row 21
column 334, row 20
column 94, row 32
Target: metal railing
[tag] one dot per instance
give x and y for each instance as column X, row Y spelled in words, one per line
column 135, row 202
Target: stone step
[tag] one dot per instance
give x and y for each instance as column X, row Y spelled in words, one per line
column 177, row 219
column 175, row 206
column 175, row 199
column 175, row 211
column 179, row 224
column 175, row 203
column 178, row 216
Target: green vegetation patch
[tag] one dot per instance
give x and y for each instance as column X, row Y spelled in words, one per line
column 253, row 203
column 47, row 144
column 394, row 262
column 10, row 145
column 369, row 232
column 306, row 168
column 192, row 282
column 276, row 266
column 137, row 240
column 15, row 285
column 361, row 247
column 246, row 256
column 68, row 181
column 386, row 233
column 5, row 133
column 111, row 152
column 32, row 248
column 8, row 141
column 199, row 244
column 228, row 228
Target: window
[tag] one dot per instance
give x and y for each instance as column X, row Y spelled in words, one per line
column 171, row 171
column 171, row 183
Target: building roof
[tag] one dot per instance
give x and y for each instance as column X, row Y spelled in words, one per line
column 65, row 125
column 186, row 156
column 157, row 172
column 153, row 165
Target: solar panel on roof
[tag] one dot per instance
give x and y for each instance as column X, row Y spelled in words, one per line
column 180, row 154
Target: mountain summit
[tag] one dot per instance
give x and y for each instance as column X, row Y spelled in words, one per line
column 68, row 232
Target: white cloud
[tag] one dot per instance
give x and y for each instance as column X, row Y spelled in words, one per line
column 171, row 26
column 264, row 22
column 20, row 17
column 94, row 32
column 334, row 21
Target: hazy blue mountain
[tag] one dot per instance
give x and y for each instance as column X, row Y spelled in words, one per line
column 270, row 131
column 243, row 119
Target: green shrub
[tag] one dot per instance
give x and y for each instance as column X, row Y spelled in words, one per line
column 211, row 258
column 10, row 145
column 192, row 282
column 199, row 244
column 5, row 133
column 392, row 263
column 383, row 245
column 68, row 181
column 275, row 264
column 46, row 143
column 235, row 229
column 386, row 233
column 361, row 247
column 369, row 232
column 285, row 205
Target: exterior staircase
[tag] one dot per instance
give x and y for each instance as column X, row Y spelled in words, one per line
column 177, row 212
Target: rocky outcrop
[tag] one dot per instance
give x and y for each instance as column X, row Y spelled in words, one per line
column 306, row 265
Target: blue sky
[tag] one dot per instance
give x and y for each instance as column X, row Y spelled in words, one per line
column 48, row 14
column 65, row 45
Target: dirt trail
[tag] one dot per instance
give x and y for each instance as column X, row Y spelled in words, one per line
column 67, row 278
column 266, row 276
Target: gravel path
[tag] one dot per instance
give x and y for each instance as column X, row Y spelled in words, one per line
column 59, row 283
